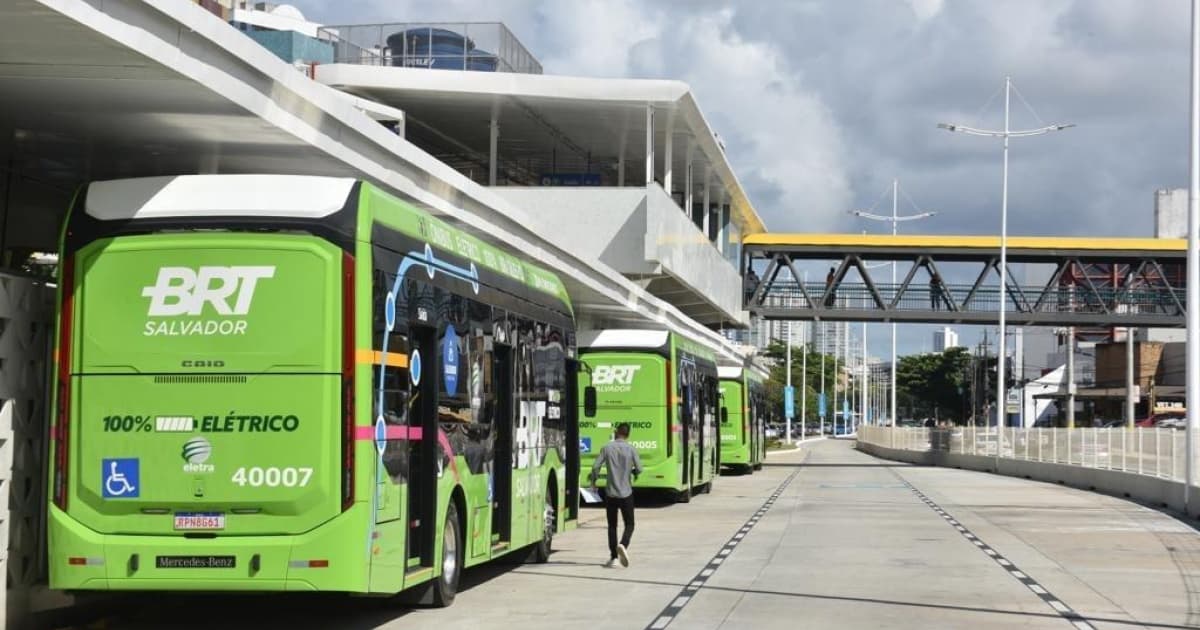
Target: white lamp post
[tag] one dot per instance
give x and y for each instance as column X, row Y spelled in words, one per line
column 1193, row 266
column 1006, row 133
column 894, row 219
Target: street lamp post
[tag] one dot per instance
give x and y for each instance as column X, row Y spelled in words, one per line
column 1005, row 134
column 895, row 220
column 1193, row 266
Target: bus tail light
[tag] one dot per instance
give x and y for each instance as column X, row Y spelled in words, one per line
column 62, row 420
column 670, row 405
column 348, row 364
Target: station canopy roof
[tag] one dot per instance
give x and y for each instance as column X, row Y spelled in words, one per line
column 550, row 124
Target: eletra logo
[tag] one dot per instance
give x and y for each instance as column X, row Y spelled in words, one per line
column 183, row 291
column 196, row 452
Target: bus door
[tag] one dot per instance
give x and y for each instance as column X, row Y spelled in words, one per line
column 685, row 420
column 571, row 419
column 752, row 427
column 423, row 464
column 502, row 462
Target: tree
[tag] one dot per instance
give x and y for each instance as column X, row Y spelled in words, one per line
column 934, row 385
column 778, row 380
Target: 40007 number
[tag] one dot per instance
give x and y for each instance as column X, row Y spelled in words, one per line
column 272, row 477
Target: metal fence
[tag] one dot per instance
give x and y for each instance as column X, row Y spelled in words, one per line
column 480, row 46
column 1143, row 451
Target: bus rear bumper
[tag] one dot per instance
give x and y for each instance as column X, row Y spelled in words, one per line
column 332, row 557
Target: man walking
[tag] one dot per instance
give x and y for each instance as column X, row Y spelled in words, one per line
column 623, row 466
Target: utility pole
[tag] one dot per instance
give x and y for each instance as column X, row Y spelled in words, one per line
column 807, row 338
column 824, row 401
column 787, row 413
column 1071, row 377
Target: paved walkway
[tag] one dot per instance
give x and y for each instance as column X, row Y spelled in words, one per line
column 825, row 537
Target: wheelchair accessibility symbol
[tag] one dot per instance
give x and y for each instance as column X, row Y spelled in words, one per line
column 585, row 445
column 120, row 478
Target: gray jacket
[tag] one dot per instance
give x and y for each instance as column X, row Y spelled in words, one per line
column 623, row 466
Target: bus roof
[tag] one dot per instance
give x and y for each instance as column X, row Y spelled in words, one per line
column 621, row 338
column 183, row 196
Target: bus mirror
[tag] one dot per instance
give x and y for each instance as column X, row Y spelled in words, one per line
column 724, row 415
column 589, row 401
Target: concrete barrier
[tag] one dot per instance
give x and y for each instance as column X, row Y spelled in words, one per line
column 1150, row 490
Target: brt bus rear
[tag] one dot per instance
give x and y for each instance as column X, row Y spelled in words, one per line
column 743, row 419
column 215, row 418
column 667, row 394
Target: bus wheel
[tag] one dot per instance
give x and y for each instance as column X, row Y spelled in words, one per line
column 446, row 586
column 757, row 466
column 684, row 496
column 541, row 550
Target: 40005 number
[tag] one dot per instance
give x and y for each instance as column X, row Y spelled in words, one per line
column 272, row 477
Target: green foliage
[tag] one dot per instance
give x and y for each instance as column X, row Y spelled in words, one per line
column 935, row 385
column 778, row 380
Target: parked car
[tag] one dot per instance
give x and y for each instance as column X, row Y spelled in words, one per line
column 1154, row 420
column 1172, row 423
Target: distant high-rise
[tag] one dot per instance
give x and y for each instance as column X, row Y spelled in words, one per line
column 945, row 339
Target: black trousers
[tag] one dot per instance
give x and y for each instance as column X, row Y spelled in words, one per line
column 625, row 506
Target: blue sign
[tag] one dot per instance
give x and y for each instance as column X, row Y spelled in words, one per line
column 789, row 401
column 821, row 404
column 450, row 360
column 122, row 478
column 570, row 179
column 585, row 445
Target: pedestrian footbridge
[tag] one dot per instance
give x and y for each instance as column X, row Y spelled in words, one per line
column 1051, row 281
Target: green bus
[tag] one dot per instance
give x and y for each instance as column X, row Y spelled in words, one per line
column 665, row 386
column 326, row 388
column 744, row 411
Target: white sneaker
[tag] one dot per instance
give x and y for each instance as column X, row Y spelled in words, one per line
column 623, row 554
column 612, row 562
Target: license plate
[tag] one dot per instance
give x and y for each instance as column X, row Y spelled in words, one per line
column 199, row 520
column 195, row 562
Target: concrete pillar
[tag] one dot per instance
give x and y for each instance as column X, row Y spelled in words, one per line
column 621, row 160
column 723, row 221
column 649, row 144
column 707, row 200
column 669, row 152
column 493, row 148
column 689, row 183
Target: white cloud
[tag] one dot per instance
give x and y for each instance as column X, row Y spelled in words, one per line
column 926, row 9
column 783, row 141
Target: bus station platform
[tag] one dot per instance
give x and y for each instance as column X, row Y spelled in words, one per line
column 823, row 537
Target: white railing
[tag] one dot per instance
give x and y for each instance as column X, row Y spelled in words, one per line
column 1143, row 451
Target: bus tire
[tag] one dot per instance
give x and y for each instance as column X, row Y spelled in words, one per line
column 445, row 586
column 684, row 496
column 543, row 548
column 757, row 466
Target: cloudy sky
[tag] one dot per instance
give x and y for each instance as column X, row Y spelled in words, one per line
column 822, row 103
